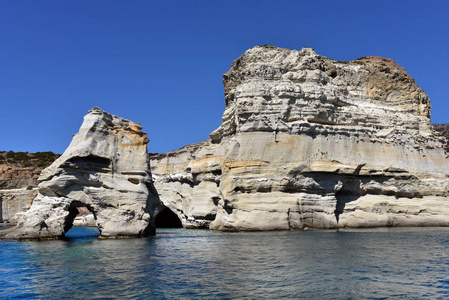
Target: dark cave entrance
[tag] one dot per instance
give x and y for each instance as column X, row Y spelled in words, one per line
column 166, row 218
column 80, row 223
column 343, row 197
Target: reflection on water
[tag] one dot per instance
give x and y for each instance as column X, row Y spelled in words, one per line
column 179, row 263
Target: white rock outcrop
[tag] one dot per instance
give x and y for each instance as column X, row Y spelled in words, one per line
column 307, row 141
column 106, row 169
column 13, row 201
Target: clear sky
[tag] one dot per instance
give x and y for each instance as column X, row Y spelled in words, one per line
column 161, row 63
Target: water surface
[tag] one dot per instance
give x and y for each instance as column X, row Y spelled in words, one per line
column 179, row 263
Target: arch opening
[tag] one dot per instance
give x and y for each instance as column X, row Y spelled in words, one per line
column 166, row 218
column 81, row 221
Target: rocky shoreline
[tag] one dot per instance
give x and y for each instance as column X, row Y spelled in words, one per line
column 305, row 142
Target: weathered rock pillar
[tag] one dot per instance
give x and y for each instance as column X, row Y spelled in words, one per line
column 105, row 169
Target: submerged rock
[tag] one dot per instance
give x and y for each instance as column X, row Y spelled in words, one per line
column 307, row 141
column 106, row 169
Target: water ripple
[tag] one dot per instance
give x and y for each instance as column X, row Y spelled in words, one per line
column 200, row 264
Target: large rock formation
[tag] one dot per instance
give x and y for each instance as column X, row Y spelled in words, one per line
column 105, row 169
column 307, row 141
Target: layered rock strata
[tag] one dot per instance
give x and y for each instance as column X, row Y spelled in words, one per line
column 105, row 169
column 13, row 201
column 22, row 169
column 307, row 141
column 19, row 172
column 443, row 131
column 16, row 177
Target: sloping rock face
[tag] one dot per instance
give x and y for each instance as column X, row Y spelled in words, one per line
column 15, row 177
column 307, row 141
column 22, row 169
column 19, row 172
column 105, row 169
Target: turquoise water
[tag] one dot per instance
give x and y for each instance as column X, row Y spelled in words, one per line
column 200, row 264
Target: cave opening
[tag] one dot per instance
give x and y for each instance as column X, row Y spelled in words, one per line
column 81, row 222
column 166, row 218
column 343, row 197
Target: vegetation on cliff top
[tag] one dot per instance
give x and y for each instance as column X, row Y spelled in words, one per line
column 27, row 160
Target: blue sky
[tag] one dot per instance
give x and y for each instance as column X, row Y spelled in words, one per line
column 161, row 63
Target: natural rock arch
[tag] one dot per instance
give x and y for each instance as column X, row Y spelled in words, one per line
column 106, row 169
column 74, row 212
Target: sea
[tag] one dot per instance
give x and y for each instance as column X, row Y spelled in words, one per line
column 384, row 263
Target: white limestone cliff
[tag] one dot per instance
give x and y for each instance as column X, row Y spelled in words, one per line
column 106, row 169
column 307, row 141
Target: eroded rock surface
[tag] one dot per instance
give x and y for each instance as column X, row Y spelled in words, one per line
column 19, row 172
column 13, row 201
column 307, row 141
column 105, row 169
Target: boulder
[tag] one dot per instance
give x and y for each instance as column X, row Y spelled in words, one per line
column 105, row 169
